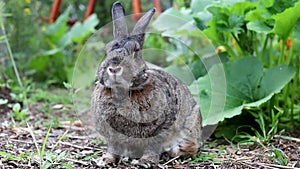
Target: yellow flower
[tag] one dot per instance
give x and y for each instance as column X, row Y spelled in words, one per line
column 43, row 28
column 221, row 49
column 28, row 1
column 27, row 11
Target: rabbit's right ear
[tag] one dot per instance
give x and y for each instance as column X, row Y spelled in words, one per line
column 141, row 26
column 119, row 21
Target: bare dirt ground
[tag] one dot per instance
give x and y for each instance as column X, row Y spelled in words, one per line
column 71, row 145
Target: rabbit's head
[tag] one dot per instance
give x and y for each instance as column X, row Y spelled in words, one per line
column 124, row 65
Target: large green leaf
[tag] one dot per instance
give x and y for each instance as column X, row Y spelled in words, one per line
column 79, row 31
column 241, row 8
column 247, row 84
column 267, row 3
column 211, row 32
column 57, row 30
column 297, row 30
column 259, row 26
column 170, row 20
column 286, row 21
column 200, row 5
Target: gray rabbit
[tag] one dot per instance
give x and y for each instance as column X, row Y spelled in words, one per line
column 141, row 112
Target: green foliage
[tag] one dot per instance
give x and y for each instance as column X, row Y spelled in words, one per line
column 177, row 20
column 260, row 136
column 55, row 159
column 44, row 52
column 48, row 159
column 203, row 157
column 18, row 113
column 248, row 85
column 58, row 96
column 7, row 156
column 53, row 64
column 279, row 157
column 262, row 72
column 241, row 24
column 283, row 26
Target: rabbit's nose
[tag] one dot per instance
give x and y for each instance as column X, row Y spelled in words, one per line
column 117, row 70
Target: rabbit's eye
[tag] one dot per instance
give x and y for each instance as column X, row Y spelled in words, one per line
column 115, row 46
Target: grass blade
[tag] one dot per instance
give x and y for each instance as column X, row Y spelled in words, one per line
column 34, row 141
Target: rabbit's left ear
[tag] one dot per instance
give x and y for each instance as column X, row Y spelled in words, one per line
column 119, row 21
column 141, row 26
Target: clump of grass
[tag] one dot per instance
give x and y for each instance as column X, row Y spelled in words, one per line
column 49, row 159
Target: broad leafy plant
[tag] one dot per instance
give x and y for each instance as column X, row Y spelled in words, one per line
column 56, row 62
column 248, row 84
column 256, row 40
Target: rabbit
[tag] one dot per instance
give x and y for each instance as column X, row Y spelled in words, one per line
column 141, row 112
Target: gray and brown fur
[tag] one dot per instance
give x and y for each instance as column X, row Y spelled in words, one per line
column 141, row 112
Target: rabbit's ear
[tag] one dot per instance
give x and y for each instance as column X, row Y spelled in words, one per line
column 119, row 21
column 140, row 27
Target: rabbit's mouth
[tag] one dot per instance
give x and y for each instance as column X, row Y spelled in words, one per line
column 116, row 82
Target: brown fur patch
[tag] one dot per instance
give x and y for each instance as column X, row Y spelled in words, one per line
column 107, row 92
column 140, row 96
column 134, row 94
column 141, row 93
column 189, row 148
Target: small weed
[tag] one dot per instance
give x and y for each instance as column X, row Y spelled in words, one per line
column 97, row 142
column 19, row 114
column 53, row 97
column 208, row 155
column 9, row 157
column 49, row 159
column 9, row 146
column 24, row 156
column 279, row 156
column 200, row 157
column 53, row 159
column 265, row 134
column 40, row 151
column 93, row 156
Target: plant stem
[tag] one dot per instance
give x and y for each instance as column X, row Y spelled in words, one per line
column 271, row 105
column 13, row 63
column 281, row 52
column 264, row 48
column 255, row 45
column 11, row 57
column 295, row 87
column 271, row 52
column 237, row 43
column 230, row 51
column 286, row 92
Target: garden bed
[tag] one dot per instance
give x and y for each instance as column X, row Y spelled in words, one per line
column 70, row 145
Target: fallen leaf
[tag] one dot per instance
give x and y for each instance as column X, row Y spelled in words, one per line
column 58, row 107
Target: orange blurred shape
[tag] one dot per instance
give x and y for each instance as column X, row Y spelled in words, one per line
column 220, row 49
column 289, row 43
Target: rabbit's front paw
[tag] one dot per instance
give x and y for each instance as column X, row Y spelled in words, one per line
column 107, row 159
column 146, row 161
column 142, row 163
